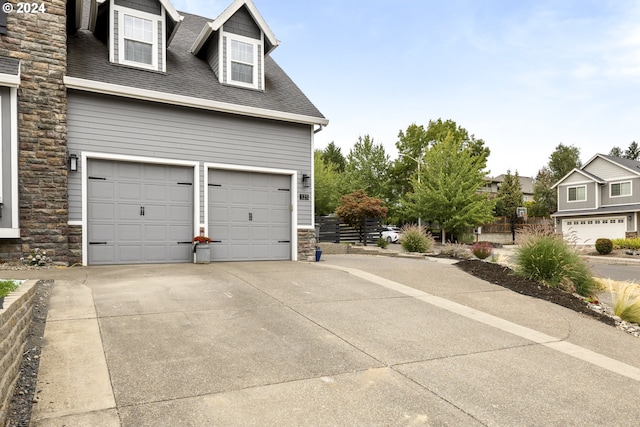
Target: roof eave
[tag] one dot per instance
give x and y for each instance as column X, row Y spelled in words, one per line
column 202, row 38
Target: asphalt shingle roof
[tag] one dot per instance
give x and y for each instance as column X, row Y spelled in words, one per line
column 187, row 75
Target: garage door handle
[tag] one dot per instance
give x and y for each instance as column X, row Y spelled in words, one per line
column 250, row 216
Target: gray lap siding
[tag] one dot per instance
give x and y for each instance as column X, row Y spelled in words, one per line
column 107, row 124
column 589, row 203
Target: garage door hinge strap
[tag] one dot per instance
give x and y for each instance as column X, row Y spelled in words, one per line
column 97, row 243
column 284, row 241
column 98, row 177
column 283, row 189
column 183, row 243
column 185, row 183
column 215, row 185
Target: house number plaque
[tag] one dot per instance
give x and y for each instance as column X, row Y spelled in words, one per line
column 304, row 196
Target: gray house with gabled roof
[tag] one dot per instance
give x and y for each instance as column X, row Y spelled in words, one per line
column 174, row 124
column 599, row 200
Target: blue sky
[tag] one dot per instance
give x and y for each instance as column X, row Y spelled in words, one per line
column 522, row 75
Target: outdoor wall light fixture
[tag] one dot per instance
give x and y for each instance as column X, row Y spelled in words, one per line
column 73, row 163
column 306, row 180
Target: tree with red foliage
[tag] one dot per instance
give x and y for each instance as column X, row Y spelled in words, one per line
column 355, row 207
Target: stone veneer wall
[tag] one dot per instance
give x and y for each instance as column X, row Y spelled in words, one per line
column 15, row 319
column 39, row 40
column 75, row 244
column 306, row 245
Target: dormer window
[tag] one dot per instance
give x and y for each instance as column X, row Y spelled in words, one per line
column 235, row 45
column 138, row 39
column 135, row 38
column 242, row 65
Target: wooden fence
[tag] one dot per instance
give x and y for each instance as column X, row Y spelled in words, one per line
column 332, row 229
column 503, row 225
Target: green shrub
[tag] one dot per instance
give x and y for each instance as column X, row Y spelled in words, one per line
column 381, row 242
column 550, row 260
column 6, row 287
column 415, row 239
column 604, row 246
column 482, row 250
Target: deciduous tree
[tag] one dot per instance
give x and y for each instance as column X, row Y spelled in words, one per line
column 355, row 207
column 563, row 160
column 367, row 169
column 448, row 193
column 413, row 143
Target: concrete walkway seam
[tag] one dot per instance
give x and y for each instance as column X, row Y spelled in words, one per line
column 548, row 341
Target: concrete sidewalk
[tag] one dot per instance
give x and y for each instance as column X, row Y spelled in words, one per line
column 352, row 340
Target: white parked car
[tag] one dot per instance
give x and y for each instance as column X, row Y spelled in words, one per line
column 390, row 233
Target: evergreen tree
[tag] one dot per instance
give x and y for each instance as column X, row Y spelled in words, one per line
column 510, row 196
column 633, row 152
column 333, row 155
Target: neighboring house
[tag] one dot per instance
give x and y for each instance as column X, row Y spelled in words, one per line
column 492, row 185
column 599, row 200
column 129, row 127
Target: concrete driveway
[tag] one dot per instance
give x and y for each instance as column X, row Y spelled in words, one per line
column 352, row 340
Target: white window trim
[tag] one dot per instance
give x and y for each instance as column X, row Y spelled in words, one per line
column 257, row 50
column 1, row 188
column 621, row 195
column 14, row 231
column 154, row 27
column 577, row 201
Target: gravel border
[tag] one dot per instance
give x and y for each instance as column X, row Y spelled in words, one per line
column 24, row 396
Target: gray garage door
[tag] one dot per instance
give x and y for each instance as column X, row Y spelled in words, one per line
column 249, row 215
column 139, row 213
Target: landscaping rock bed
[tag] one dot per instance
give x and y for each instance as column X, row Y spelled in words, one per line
column 503, row 276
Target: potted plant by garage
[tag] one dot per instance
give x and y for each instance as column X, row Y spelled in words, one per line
column 202, row 249
column 6, row 287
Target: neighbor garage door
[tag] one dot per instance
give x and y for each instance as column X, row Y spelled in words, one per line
column 249, row 215
column 139, row 213
column 585, row 231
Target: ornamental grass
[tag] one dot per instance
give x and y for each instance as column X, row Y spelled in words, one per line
column 548, row 259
